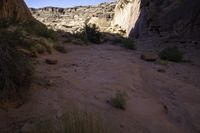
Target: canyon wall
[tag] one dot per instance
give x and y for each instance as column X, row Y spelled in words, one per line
column 135, row 18
column 126, row 15
column 148, row 17
column 73, row 19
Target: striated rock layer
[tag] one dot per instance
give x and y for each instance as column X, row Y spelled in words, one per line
column 73, row 19
column 15, row 9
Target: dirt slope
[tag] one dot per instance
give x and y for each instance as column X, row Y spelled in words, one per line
column 88, row 76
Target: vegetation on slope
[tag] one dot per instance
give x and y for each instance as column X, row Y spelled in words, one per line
column 16, row 69
column 73, row 121
column 171, row 54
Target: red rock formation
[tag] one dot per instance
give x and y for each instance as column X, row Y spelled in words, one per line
column 15, row 9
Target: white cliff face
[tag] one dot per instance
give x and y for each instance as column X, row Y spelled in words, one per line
column 126, row 15
column 156, row 17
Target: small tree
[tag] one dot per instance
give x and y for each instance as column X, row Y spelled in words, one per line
column 92, row 33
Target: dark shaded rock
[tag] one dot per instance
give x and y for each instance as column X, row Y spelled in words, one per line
column 15, row 9
column 149, row 56
column 51, row 61
column 161, row 70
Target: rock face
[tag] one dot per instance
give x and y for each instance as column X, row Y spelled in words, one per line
column 126, row 15
column 146, row 17
column 15, row 9
column 73, row 19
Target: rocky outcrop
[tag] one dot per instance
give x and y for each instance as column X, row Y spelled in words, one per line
column 73, row 19
column 15, row 9
column 126, row 14
column 170, row 17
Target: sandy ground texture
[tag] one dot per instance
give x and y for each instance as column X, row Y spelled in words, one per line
column 88, row 76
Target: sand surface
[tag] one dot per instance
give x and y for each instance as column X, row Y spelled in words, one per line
column 88, row 76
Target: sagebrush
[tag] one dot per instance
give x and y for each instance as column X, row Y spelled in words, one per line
column 16, row 68
column 119, row 100
column 90, row 33
column 73, row 121
column 171, row 54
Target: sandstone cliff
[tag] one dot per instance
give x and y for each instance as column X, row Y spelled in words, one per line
column 15, row 9
column 169, row 17
column 126, row 14
column 73, row 19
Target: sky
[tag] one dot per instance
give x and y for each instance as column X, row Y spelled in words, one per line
column 62, row 3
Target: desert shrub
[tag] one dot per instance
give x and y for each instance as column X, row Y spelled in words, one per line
column 44, row 126
column 60, row 48
column 119, row 100
column 90, row 33
column 171, row 54
column 74, row 121
column 39, row 48
column 40, row 30
column 42, row 45
column 117, row 40
column 128, row 43
column 15, row 67
column 125, row 42
column 80, row 37
column 5, row 23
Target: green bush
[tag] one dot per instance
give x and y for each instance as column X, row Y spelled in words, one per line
column 128, row 43
column 40, row 30
column 119, row 100
column 93, row 34
column 171, row 54
column 15, row 67
column 125, row 42
column 90, row 33
column 35, row 28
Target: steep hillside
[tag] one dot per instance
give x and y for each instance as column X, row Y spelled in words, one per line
column 16, row 9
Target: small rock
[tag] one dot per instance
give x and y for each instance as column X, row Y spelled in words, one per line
column 51, row 61
column 165, row 109
column 149, row 56
column 161, row 70
column 49, row 83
